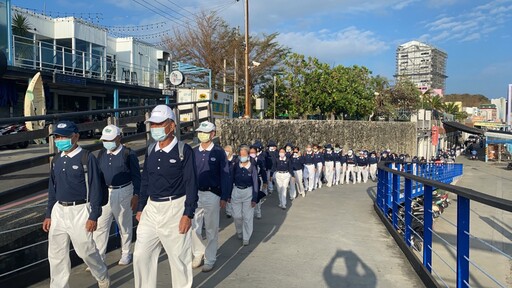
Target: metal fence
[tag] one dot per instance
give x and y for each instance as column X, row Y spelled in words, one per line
column 23, row 245
column 406, row 201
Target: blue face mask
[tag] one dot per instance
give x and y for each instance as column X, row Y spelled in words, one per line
column 158, row 134
column 64, row 144
column 244, row 159
column 111, row 146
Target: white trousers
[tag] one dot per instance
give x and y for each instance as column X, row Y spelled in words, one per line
column 296, row 184
column 337, row 173
column 243, row 213
column 68, row 223
column 329, row 172
column 373, row 171
column 362, row 174
column 343, row 173
column 119, row 208
column 282, row 182
column 159, row 226
column 318, row 175
column 207, row 212
column 309, row 176
column 351, row 171
column 229, row 209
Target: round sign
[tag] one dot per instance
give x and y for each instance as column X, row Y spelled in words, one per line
column 176, row 78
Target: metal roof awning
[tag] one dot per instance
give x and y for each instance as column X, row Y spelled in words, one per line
column 462, row 127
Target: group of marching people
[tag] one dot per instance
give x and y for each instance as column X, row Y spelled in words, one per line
column 299, row 172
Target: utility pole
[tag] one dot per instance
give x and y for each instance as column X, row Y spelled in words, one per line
column 248, row 108
column 224, row 77
column 275, row 94
column 235, row 85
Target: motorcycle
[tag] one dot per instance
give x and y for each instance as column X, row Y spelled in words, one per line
column 14, row 129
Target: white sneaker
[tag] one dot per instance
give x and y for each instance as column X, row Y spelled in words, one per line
column 198, row 261
column 258, row 216
column 105, row 283
column 245, row 242
column 207, row 268
column 87, row 269
column 125, row 260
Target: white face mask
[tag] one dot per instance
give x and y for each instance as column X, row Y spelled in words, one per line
column 253, row 155
column 308, row 149
column 203, row 137
column 282, row 155
column 272, row 149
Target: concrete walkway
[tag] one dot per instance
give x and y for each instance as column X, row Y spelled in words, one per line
column 487, row 224
column 331, row 238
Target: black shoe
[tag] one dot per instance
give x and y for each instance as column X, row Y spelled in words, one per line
column 229, row 216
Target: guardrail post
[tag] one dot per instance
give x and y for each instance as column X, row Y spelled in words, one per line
column 196, row 116
column 395, row 198
column 210, row 115
column 379, row 189
column 427, row 227
column 148, row 128
column 408, row 212
column 51, row 142
column 462, row 241
column 177, row 133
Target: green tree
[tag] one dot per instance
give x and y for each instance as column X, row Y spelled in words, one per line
column 405, row 98
column 20, row 25
column 451, row 108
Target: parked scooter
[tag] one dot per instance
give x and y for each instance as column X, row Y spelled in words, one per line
column 474, row 155
column 14, row 129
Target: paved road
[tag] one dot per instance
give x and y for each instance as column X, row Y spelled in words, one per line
column 331, row 238
column 488, row 224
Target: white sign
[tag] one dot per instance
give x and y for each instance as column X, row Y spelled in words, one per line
column 176, row 78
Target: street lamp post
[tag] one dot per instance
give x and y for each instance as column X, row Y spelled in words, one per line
column 248, row 108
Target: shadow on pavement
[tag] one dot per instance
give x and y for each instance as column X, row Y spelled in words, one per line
column 231, row 254
column 354, row 272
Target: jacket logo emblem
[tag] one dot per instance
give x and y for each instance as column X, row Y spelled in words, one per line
column 75, row 167
column 213, row 159
column 172, row 161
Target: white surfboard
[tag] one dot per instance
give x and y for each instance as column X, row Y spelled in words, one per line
column 35, row 102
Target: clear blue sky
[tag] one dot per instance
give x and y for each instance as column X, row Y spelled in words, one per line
column 477, row 35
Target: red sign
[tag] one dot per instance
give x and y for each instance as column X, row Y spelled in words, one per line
column 435, row 135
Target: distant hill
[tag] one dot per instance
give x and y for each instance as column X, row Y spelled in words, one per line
column 468, row 100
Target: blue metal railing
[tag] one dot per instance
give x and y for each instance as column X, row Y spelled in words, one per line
column 424, row 179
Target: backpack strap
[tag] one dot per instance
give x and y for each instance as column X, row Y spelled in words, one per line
column 181, row 146
column 151, row 148
column 85, row 161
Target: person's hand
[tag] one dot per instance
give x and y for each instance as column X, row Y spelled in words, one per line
column 264, row 186
column 229, row 200
column 91, row 225
column 185, row 224
column 134, row 202
column 223, row 204
column 137, row 216
column 253, row 204
column 46, row 224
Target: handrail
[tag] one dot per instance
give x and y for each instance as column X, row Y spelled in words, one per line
column 58, row 116
column 400, row 220
column 496, row 202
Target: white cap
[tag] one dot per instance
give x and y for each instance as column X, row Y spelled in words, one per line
column 161, row 113
column 206, row 127
column 110, row 132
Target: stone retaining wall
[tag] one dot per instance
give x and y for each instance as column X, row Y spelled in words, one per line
column 400, row 137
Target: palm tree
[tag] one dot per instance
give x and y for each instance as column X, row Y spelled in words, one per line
column 451, row 108
column 20, row 25
column 436, row 103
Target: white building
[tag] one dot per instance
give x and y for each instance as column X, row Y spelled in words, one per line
column 76, row 47
column 472, row 111
column 501, row 107
column 423, row 64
